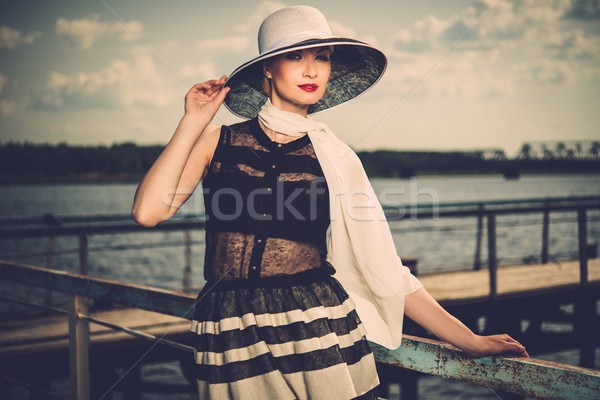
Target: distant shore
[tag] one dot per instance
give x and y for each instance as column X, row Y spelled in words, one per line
column 136, row 178
column 77, row 179
column 30, row 163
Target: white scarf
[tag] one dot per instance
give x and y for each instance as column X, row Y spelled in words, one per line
column 359, row 241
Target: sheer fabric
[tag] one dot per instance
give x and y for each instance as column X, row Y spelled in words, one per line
column 267, row 206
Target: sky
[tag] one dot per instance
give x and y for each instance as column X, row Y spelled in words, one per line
column 461, row 75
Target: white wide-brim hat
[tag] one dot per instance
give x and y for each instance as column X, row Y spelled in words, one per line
column 355, row 66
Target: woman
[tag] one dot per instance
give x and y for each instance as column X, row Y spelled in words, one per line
column 273, row 321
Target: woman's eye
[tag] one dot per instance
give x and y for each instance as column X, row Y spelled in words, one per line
column 293, row 56
column 323, row 57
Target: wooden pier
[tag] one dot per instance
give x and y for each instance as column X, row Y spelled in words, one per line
column 35, row 348
column 27, row 346
column 19, row 337
column 34, row 335
column 461, row 285
column 545, row 306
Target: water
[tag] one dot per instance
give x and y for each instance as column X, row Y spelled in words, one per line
column 438, row 244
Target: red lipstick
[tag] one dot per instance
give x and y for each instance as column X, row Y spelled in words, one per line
column 309, row 87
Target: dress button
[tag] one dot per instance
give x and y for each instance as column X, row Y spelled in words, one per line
column 278, row 144
column 254, row 268
column 264, row 215
column 273, row 166
column 259, row 241
column 268, row 189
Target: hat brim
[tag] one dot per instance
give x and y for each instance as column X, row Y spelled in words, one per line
column 355, row 67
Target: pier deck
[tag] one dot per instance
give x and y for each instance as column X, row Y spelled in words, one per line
column 94, row 365
column 514, row 278
column 46, row 334
column 49, row 333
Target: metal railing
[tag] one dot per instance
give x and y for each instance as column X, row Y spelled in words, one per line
column 82, row 226
column 521, row 376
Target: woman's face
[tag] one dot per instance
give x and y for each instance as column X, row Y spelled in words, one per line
column 299, row 78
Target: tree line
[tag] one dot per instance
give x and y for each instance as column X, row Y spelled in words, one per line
column 34, row 162
column 63, row 161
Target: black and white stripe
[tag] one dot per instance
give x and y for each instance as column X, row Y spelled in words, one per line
column 299, row 341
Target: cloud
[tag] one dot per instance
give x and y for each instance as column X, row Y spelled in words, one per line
column 84, row 32
column 2, row 82
column 484, row 24
column 341, row 30
column 242, row 39
column 232, row 44
column 264, row 9
column 245, row 33
column 554, row 72
column 497, row 45
column 11, row 38
column 466, row 75
column 7, row 107
column 584, row 9
column 571, row 44
column 136, row 82
column 546, row 72
column 199, row 73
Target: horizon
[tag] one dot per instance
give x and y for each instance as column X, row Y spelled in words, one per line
column 404, row 150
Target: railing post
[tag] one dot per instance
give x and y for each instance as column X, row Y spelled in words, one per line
column 49, row 220
column 492, row 319
column 187, row 269
column 545, row 232
column 492, row 259
column 393, row 391
column 582, row 238
column 83, row 254
column 479, row 238
column 79, row 340
column 410, row 386
column 49, row 260
column 585, row 306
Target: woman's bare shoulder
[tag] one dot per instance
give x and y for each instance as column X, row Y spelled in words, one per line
column 212, row 130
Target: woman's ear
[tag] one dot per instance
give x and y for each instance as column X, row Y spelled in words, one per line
column 266, row 80
column 266, row 70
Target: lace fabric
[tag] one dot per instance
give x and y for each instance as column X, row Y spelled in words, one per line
column 267, row 206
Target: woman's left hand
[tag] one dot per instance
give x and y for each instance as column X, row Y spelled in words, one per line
column 496, row 345
column 422, row 308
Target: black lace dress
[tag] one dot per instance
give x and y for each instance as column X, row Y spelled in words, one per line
column 272, row 322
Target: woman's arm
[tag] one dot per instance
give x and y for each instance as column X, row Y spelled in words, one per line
column 422, row 308
column 181, row 165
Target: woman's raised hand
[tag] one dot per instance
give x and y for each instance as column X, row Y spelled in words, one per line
column 206, row 98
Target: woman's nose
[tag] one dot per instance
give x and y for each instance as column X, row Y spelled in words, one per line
column 310, row 70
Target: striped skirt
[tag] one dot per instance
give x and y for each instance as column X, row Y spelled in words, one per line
column 293, row 337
